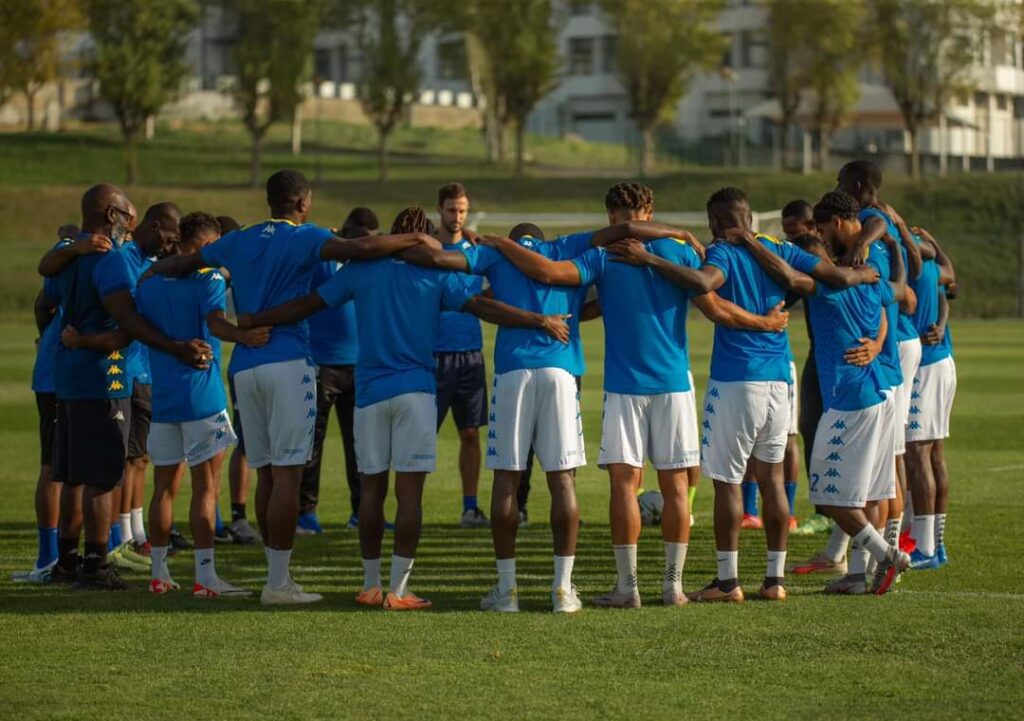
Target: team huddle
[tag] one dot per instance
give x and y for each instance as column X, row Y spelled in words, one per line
column 385, row 328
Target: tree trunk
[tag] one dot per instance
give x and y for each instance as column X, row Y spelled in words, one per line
column 297, row 131
column 520, row 146
column 644, row 160
column 30, row 113
column 131, row 155
column 784, row 127
column 382, row 155
column 824, row 148
column 256, row 161
column 490, row 131
column 915, row 153
column 499, row 136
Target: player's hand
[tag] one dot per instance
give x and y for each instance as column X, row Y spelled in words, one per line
column 67, row 231
column 778, row 318
column 855, row 257
column 697, row 246
column 87, row 245
column 244, row 321
column 738, row 236
column 430, row 241
column 867, row 274
column 934, row 335
column 471, row 236
column 195, row 353
column 863, row 354
column 889, row 241
column 630, row 251
column 70, row 337
column 556, row 327
column 256, row 337
column 896, row 218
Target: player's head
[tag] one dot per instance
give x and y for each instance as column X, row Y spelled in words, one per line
column 134, row 220
column 197, row 231
column 227, row 224
column 798, row 219
column 728, row 208
column 452, row 206
column 526, row 230
column 629, row 201
column 412, row 220
column 836, row 218
column 813, row 244
column 289, row 195
column 861, row 179
column 106, row 209
column 359, row 223
column 158, row 230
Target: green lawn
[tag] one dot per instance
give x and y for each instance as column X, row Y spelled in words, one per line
column 949, row 643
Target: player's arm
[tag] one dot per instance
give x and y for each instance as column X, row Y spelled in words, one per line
column 947, row 274
column 104, row 342
column 290, row 312
column 177, row 266
column 720, row 311
column 909, row 303
column 873, row 229
column 937, row 331
column 373, row 246
column 121, row 306
column 696, row 280
column 427, row 256
column 44, row 310
column 591, row 311
column 780, row 271
column 534, row 265
column 498, row 313
column 225, row 330
column 644, row 230
column 57, row 259
column 898, row 273
column 913, row 251
column 869, row 348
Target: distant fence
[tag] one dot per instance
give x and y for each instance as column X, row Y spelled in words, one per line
column 768, row 221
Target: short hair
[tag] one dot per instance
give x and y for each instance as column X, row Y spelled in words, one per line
column 524, row 230
column 726, row 196
column 412, row 220
column 195, row 223
column 450, row 191
column 163, row 212
column 359, row 220
column 866, row 172
column 836, row 203
column 286, row 187
column 797, row 209
column 629, row 196
column 227, row 224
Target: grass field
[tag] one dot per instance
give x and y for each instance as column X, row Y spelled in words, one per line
column 949, row 644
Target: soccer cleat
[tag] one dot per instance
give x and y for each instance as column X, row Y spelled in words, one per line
column 792, row 524
column 59, row 574
column 847, row 586
column 524, row 518
column 921, row 562
column 495, row 600
column 123, row 557
column 671, row 597
column 291, row 594
column 409, row 602
column 223, row 535
column 105, row 578
column 243, row 532
column 389, row 526
column 161, row 586
column 219, row 589
column 907, row 542
column 693, row 521
column 619, row 599
column 563, row 601
column 890, row 570
column 371, row 597
column 474, row 518
column 353, row 523
column 819, row 564
column 811, row 527
column 36, row 575
column 751, row 522
column 142, row 549
column 940, row 553
column 178, row 542
column 308, row 525
column 713, row 594
column 772, row 593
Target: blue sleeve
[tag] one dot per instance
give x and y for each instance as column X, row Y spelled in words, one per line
column 718, row 256
column 799, row 258
column 51, row 290
column 214, row 291
column 591, row 265
column 219, row 253
column 456, row 292
column 307, row 242
column 481, row 258
column 571, row 246
column 886, row 291
column 878, row 258
column 112, row 274
column 340, row 289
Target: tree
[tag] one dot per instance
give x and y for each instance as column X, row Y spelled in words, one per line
column 656, row 61
column 138, row 62
column 273, row 53
column 928, row 51
column 788, row 24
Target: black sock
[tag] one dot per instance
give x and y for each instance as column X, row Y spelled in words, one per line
column 237, row 512
column 95, row 557
column 770, row 581
column 67, row 550
column 728, row 585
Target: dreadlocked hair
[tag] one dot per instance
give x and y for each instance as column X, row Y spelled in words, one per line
column 412, row 220
column 630, row 196
column 835, row 203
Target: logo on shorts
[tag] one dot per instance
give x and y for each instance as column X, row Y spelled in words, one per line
column 493, row 418
column 492, row 452
column 220, row 434
column 709, row 409
column 704, row 441
column 311, row 413
column 222, row 418
column 706, row 424
column 114, row 371
column 915, row 410
column 119, row 416
column 714, row 392
column 116, row 386
column 494, row 399
column 837, row 441
column 491, row 434
column 839, row 425
column 832, row 473
column 914, row 395
column 306, row 380
column 423, row 457
column 309, row 395
column 834, row 457
column 831, row 489
column 914, row 426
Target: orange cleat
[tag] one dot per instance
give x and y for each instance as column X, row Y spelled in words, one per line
column 819, row 564
column 408, row 602
column 907, row 542
column 370, row 597
column 772, row 593
column 712, row 594
column 793, row 525
column 751, row 522
column 159, row 586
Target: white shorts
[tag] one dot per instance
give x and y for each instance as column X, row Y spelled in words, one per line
column 661, row 427
column 399, row 433
column 794, row 402
column 537, row 407
column 743, row 419
column 191, row 442
column 931, row 401
column 853, row 457
column 910, row 360
column 277, row 404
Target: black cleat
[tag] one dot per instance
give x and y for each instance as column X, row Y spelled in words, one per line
column 105, row 578
column 179, row 542
column 59, row 574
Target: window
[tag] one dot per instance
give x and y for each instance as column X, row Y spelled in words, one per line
column 1001, row 102
column 322, row 64
column 580, row 7
column 581, row 56
column 451, row 60
column 609, row 54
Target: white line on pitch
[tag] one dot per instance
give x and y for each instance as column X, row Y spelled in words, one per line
column 1011, row 467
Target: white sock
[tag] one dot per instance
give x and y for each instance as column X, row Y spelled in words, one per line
column 206, row 570
column 401, row 567
column 159, row 556
column 924, row 533
column 940, row 529
column 138, row 527
column 675, row 559
column 892, row 531
column 506, row 574
column 835, row 549
column 278, row 567
column 776, row 565
column 625, row 564
column 871, row 540
column 125, row 520
column 563, row 573
column 371, row 573
column 859, row 561
column 728, row 565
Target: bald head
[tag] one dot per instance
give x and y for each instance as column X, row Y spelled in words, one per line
column 106, row 210
column 158, row 230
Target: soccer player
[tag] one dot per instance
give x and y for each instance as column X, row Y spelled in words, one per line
column 648, row 409
column 852, row 461
column 271, row 263
column 398, row 307
column 461, row 374
column 334, row 346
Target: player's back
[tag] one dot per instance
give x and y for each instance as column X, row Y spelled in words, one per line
column 332, row 331
column 460, row 331
column 926, row 288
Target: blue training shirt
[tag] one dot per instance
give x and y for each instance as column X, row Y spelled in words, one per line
column 270, row 263
column 461, row 331
column 398, row 313
column 905, row 324
column 934, row 353
column 878, row 258
column 745, row 355
column 121, row 271
column 926, row 288
column 645, row 348
column 178, row 307
column 43, row 380
column 332, row 331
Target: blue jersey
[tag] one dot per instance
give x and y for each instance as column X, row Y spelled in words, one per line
column 461, row 331
column 744, row 355
column 519, row 348
column 904, row 323
column 926, row 288
column 878, row 258
column 645, row 350
column 398, row 313
column 178, row 307
column 332, row 331
column 270, row 263
column 42, row 370
column 83, row 374
column 841, row 317
column 121, row 271
column 935, row 353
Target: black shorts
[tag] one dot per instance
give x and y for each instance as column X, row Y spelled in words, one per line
column 462, row 387
column 142, row 418
column 46, row 404
column 92, row 442
column 236, row 419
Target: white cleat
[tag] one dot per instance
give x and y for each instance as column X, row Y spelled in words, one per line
column 619, row 599
column 220, row 589
column 501, row 602
column 290, row 594
column 563, row 601
column 36, row 575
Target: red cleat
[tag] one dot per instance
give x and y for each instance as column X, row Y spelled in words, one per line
column 907, row 542
column 793, row 525
column 751, row 522
column 143, row 549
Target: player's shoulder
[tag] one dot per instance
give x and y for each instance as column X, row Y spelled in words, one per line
column 210, row 276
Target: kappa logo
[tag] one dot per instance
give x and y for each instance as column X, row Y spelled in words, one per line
column 714, row 392
column 119, row 416
column 217, row 276
column 704, row 441
column 839, row 425
column 115, row 356
column 834, row 457
column 831, row 489
column 837, row 441
column 494, row 399
column 268, row 230
column 220, row 434
column 492, row 452
column 309, row 395
column 706, row 424
column 832, row 473
column 914, row 426
column 492, row 435
column 709, row 409
column 222, row 417
column 311, row 413
column 493, row 418
column 914, row 410
column 116, row 386
column 306, row 380
column 114, row 371
column 914, row 395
